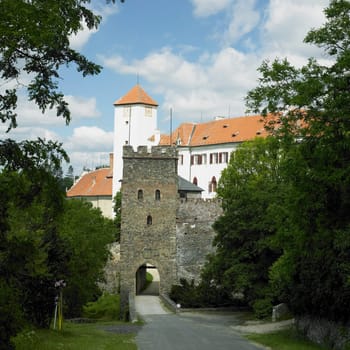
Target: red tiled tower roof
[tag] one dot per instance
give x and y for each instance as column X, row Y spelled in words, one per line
column 136, row 96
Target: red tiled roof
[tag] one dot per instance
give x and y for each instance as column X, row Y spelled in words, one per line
column 217, row 131
column 136, row 96
column 94, row 183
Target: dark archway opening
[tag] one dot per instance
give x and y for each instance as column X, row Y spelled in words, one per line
column 147, row 280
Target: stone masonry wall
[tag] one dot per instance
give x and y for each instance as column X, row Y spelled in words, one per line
column 143, row 241
column 194, row 235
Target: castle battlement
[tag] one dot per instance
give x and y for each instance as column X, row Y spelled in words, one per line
column 149, row 152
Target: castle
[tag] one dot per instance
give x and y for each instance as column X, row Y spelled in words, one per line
column 204, row 149
column 168, row 185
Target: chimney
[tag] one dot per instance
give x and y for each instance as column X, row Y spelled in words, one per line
column 111, row 161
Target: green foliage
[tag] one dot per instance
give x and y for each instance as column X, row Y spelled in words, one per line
column 263, row 308
column 11, row 319
column 250, row 191
column 311, row 106
column 36, row 248
column 106, row 307
column 35, row 40
column 87, row 234
column 284, row 234
column 31, row 253
column 202, row 295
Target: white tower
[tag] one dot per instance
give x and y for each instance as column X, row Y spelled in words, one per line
column 135, row 124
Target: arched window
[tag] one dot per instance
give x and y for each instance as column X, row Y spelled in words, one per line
column 195, row 181
column 140, row 195
column 157, row 195
column 149, row 220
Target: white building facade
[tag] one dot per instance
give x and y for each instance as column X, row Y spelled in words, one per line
column 204, row 149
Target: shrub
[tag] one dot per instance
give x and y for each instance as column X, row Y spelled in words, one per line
column 106, row 308
column 262, row 308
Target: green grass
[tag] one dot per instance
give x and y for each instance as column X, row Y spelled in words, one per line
column 75, row 337
column 287, row 339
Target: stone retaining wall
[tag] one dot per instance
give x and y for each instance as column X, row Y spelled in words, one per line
column 324, row 332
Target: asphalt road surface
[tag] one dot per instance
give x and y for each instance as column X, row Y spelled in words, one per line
column 187, row 331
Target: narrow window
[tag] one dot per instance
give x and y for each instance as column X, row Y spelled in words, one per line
column 157, row 195
column 192, row 160
column 213, row 184
column 195, row 181
column 149, row 220
column 140, row 195
column 225, row 157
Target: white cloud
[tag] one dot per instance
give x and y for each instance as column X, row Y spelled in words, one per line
column 214, row 84
column 82, row 107
column 286, row 26
column 87, row 160
column 29, row 114
column 243, row 19
column 204, row 8
column 78, row 40
column 90, row 138
column 29, row 133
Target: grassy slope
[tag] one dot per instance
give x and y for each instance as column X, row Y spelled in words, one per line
column 284, row 340
column 75, row 337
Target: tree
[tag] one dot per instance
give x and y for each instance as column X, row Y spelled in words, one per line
column 87, row 234
column 34, row 40
column 250, row 190
column 31, row 253
column 312, row 107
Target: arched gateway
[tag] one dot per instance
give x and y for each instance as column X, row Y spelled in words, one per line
column 148, row 223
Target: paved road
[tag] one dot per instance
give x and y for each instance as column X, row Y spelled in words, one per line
column 188, row 331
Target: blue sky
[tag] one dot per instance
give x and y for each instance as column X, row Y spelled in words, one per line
column 198, row 57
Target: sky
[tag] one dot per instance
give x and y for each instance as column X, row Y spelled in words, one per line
column 196, row 57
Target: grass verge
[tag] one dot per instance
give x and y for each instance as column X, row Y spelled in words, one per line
column 77, row 337
column 287, row 339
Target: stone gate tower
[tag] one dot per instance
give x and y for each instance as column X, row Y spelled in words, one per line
column 148, row 218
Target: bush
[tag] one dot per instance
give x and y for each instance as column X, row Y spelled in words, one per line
column 106, row 308
column 203, row 295
column 262, row 308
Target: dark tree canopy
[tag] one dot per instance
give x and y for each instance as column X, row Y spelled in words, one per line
column 35, row 248
column 302, row 211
